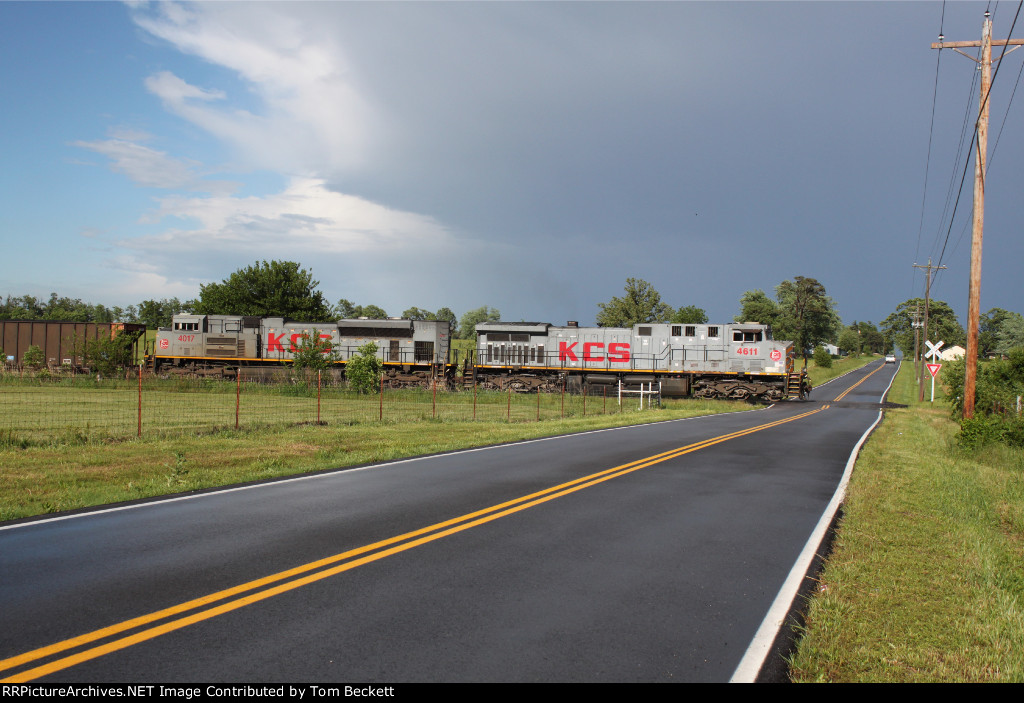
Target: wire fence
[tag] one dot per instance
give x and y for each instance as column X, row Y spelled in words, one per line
column 74, row 408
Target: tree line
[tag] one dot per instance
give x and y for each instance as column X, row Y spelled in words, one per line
column 800, row 310
column 265, row 289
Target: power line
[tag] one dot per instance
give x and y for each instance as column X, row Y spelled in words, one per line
column 974, row 137
column 928, row 159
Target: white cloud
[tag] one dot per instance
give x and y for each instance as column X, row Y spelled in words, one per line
column 154, row 169
column 174, row 90
column 312, row 116
column 305, row 217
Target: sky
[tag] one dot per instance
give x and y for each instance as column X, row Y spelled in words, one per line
column 528, row 156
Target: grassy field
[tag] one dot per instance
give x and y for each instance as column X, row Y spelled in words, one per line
column 64, row 447
column 66, row 475
column 71, row 410
column 926, row 578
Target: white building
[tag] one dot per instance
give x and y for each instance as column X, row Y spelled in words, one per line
column 953, row 352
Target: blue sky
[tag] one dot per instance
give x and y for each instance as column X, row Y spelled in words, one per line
column 526, row 156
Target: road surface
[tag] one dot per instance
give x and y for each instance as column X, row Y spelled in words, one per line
column 649, row 553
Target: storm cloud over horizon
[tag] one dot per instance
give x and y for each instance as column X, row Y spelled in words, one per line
column 525, row 156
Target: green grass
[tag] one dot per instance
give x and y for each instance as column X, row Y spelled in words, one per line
column 39, row 412
column 925, row 582
column 71, row 443
column 84, row 467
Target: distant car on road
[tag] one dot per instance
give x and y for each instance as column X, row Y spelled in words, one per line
column 890, row 358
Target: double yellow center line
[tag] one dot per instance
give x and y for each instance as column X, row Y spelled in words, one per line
column 149, row 626
column 844, row 393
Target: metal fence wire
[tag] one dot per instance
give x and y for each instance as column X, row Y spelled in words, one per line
column 51, row 407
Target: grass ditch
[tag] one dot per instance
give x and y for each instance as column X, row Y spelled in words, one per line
column 925, row 582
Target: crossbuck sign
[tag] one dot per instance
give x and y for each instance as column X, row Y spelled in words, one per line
column 933, row 352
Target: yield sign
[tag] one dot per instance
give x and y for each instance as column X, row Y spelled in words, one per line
column 933, row 369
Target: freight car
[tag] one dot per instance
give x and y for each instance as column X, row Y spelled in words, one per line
column 61, row 341
column 710, row 361
column 414, row 352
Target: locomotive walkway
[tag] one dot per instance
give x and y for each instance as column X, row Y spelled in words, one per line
column 649, row 553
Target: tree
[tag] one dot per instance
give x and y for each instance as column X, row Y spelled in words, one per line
column 640, row 304
column 990, row 326
column 106, row 355
column 822, row 359
column 756, row 306
column 156, row 313
column 870, row 338
column 849, row 340
column 806, row 314
column 467, row 328
column 267, row 289
column 415, row 313
column 1011, row 333
column 363, row 369
column 314, row 353
column 898, row 328
column 447, row 314
column 690, row 315
column 860, row 337
column 347, row 310
column 28, row 307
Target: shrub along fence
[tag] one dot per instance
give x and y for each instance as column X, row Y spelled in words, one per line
column 53, row 408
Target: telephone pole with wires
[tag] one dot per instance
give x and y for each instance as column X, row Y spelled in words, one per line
column 927, row 299
column 980, row 163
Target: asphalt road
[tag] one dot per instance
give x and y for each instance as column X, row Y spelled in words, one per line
column 648, row 553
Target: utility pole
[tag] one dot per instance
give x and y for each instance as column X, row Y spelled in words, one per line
column 980, row 162
column 927, row 298
column 916, row 339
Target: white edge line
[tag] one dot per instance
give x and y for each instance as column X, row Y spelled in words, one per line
column 334, row 472
column 760, row 647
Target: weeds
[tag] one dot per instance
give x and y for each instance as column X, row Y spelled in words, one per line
column 924, row 582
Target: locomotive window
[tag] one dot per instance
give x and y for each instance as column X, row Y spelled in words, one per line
column 746, row 336
column 712, row 331
column 737, row 336
column 691, row 331
column 677, row 330
column 187, row 326
column 422, row 351
column 643, row 332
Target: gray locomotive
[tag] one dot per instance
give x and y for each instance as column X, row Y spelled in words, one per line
column 711, row 361
column 414, row 352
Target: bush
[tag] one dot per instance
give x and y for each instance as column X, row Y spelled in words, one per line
column 314, row 353
column 978, row 431
column 363, row 369
column 999, row 383
column 822, row 359
column 33, row 357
